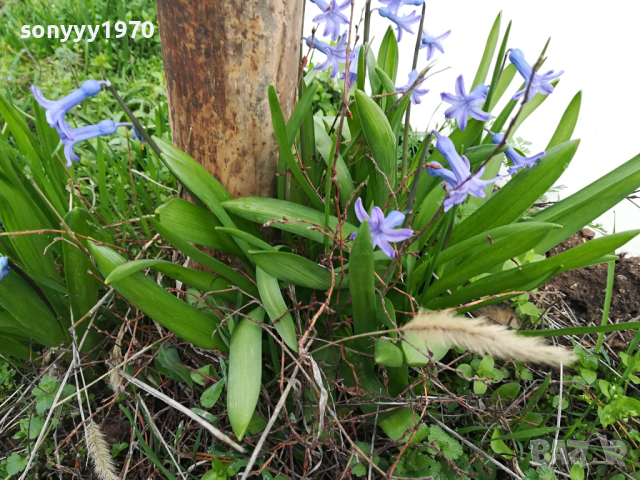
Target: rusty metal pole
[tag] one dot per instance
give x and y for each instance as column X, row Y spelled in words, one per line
column 219, row 58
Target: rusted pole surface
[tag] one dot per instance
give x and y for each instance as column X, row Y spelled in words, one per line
column 219, row 58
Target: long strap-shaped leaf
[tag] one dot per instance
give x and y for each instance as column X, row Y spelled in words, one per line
column 276, row 308
column 185, row 321
column 245, row 371
column 282, row 138
column 517, row 196
column 204, row 259
column 363, row 294
column 199, row 181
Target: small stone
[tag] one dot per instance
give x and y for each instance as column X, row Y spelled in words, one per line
column 622, row 278
column 588, row 233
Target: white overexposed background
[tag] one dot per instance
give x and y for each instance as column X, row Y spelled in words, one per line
column 596, row 48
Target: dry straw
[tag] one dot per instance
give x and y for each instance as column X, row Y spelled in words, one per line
column 484, row 337
column 99, row 453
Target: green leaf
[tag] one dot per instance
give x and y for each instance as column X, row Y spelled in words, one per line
column 195, row 224
column 414, row 345
column 263, row 210
column 526, row 434
column 247, row 237
column 508, row 74
column 185, row 321
column 527, row 278
column 82, row 285
column 276, row 308
column 168, row 363
column 388, row 55
column 581, row 208
column 388, row 354
column 577, row 472
column 285, row 149
column 567, row 124
column 295, row 269
column 211, row 394
column 302, row 108
column 498, row 446
column 487, row 56
column 615, row 327
column 30, row 311
column 508, row 389
column 508, row 204
column 202, row 258
column 16, row 464
column 199, row 181
column 482, row 258
column 343, row 177
column 382, row 143
column 245, row 371
column 363, row 294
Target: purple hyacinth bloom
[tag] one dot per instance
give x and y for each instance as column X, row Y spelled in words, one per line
column 383, row 230
column 433, row 43
column 56, row 110
column 458, row 182
column 464, row 105
column 394, row 5
column 105, row 127
column 335, row 54
column 332, row 17
column 518, row 160
column 402, row 23
column 417, row 92
column 540, row 83
column 4, row 267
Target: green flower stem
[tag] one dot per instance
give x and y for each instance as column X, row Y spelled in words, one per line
column 611, row 268
column 405, row 140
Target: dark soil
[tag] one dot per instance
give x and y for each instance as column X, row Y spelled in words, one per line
column 584, row 289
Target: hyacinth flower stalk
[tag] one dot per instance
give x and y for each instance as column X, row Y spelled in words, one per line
column 518, row 160
column 464, row 106
column 394, row 5
column 534, row 82
column 433, row 43
column 416, row 93
column 4, row 267
column 336, row 54
column 105, row 127
column 459, row 180
column 383, row 230
column 55, row 111
column 403, row 23
column 332, row 17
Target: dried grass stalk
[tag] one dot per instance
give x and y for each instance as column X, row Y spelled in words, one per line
column 99, row 453
column 486, row 338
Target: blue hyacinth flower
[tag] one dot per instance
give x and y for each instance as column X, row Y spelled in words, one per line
column 464, row 105
column 403, row 23
column 332, row 17
column 383, row 230
column 56, row 110
column 518, row 160
column 105, row 127
column 460, row 181
column 539, row 83
column 336, row 54
column 394, row 5
column 433, row 43
column 417, row 92
column 4, row 267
